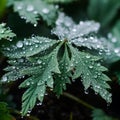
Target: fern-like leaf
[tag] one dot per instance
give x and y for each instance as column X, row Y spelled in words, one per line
column 62, row 78
column 81, row 34
column 38, row 82
column 38, row 58
column 90, row 70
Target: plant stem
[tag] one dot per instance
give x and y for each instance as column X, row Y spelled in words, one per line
column 78, row 100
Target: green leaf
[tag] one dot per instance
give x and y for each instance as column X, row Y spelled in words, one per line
column 5, row 33
column 90, row 71
column 98, row 114
column 118, row 76
column 48, row 63
column 2, row 7
column 103, row 11
column 4, row 112
column 29, row 47
column 62, row 78
column 78, row 34
column 38, row 82
column 10, row 2
column 112, row 43
column 30, row 10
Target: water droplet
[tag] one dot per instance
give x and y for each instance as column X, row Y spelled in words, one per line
column 51, row 89
column 95, row 76
column 29, row 111
column 88, row 74
column 40, row 103
column 86, row 92
column 74, row 30
column 22, row 117
column 38, row 83
column 3, row 24
column 20, row 6
column 19, row 44
column 28, row 114
column 28, row 83
column 49, row 77
column 35, row 25
column 39, row 61
column 114, row 40
column 98, row 64
column 117, row 50
column 30, row 8
column 4, row 79
column 35, row 12
column 90, row 66
column 88, row 56
column 109, row 35
column 91, row 37
column 45, row 11
column 2, row 31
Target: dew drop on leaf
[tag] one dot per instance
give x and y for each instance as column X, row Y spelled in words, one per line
column 40, row 103
column 38, row 84
column 88, row 56
column 114, row 40
column 4, row 79
column 28, row 114
column 2, row 31
column 95, row 76
column 45, row 10
column 90, row 66
column 86, row 92
column 30, row 8
column 29, row 111
column 117, row 50
column 35, row 12
column 19, row 7
column 39, row 61
column 35, row 25
column 19, row 44
column 74, row 30
column 28, row 83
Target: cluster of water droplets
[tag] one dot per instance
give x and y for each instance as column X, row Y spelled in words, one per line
column 82, row 34
column 114, row 44
column 6, row 33
column 63, row 26
column 27, row 9
column 12, row 75
column 93, row 74
column 29, row 47
column 1, row 28
column 103, row 92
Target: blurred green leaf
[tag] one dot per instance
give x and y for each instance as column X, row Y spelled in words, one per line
column 31, row 10
column 116, row 31
column 59, row 1
column 4, row 112
column 2, row 7
column 118, row 76
column 103, row 11
column 112, row 43
column 10, row 2
column 98, row 114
